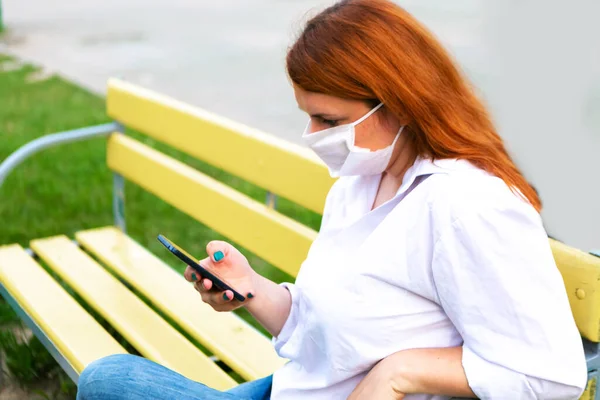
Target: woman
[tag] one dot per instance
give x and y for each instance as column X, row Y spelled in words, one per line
column 431, row 276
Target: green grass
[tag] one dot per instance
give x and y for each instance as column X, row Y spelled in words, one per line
column 69, row 188
column 66, row 189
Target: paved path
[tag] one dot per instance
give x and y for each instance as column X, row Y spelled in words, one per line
column 225, row 55
column 536, row 61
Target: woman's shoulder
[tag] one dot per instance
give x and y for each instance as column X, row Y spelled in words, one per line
column 471, row 191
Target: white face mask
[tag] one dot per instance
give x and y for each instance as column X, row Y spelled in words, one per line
column 335, row 146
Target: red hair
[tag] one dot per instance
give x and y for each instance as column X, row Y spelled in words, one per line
column 373, row 50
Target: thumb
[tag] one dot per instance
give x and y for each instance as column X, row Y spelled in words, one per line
column 218, row 250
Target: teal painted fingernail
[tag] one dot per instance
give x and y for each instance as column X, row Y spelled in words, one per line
column 194, row 277
column 250, row 295
column 225, row 296
column 218, row 256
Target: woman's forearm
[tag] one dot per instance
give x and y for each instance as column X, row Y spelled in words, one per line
column 436, row 371
column 270, row 305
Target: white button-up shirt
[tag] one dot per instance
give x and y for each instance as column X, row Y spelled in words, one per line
column 455, row 258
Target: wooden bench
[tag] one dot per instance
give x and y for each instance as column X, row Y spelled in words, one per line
column 109, row 270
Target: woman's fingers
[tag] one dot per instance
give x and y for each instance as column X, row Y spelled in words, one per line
column 213, row 297
column 190, row 274
column 227, row 296
column 203, row 285
column 218, row 251
column 217, row 300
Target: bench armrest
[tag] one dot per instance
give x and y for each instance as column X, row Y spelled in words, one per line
column 44, row 142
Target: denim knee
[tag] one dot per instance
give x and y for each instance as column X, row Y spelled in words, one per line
column 103, row 376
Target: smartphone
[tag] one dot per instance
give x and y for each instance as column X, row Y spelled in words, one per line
column 192, row 262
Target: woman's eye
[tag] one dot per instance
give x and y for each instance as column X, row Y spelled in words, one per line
column 329, row 122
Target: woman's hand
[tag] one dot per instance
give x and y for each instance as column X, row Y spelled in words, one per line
column 267, row 301
column 436, row 371
column 230, row 265
column 380, row 383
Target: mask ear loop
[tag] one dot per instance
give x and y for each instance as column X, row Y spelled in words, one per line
column 306, row 128
column 398, row 135
column 351, row 140
column 367, row 115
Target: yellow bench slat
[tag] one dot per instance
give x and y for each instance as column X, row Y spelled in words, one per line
column 151, row 335
column 581, row 274
column 590, row 390
column 272, row 236
column 74, row 332
column 283, row 168
column 234, row 341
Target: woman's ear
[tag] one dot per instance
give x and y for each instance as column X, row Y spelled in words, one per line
column 404, row 119
column 392, row 121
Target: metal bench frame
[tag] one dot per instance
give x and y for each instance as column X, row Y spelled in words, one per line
column 52, row 140
column 592, row 350
column 17, row 158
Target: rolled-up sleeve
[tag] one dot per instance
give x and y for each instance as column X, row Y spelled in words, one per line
column 291, row 324
column 497, row 281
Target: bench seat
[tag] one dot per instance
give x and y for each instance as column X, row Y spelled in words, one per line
column 75, row 336
column 231, row 339
column 141, row 326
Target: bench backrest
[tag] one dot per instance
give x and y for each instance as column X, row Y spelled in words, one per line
column 282, row 168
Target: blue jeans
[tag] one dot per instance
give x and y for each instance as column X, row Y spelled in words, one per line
column 123, row 376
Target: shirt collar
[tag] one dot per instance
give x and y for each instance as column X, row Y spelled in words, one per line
column 425, row 166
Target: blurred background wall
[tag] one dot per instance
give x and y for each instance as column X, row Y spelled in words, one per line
column 535, row 62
